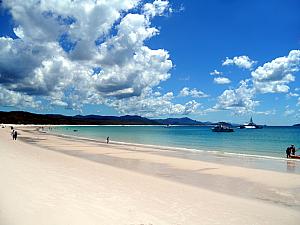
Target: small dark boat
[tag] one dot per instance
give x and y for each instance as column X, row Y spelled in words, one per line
column 222, row 128
column 295, row 156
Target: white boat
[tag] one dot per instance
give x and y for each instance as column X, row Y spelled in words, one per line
column 247, row 126
column 251, row 125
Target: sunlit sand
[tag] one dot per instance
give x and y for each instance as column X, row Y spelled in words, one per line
column 47, row 179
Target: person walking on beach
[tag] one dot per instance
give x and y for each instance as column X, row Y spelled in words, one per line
column 288, row 152
column 14, row 134
column 107, row 140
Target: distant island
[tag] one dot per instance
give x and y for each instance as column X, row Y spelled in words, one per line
column 296, row 125
column 21, row 117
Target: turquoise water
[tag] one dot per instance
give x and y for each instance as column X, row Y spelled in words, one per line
column 270, row 141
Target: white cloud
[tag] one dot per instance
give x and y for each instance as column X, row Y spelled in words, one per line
column 292, row 112
column 192, row 92
column 292, row 94
column 240, row 100
column 240, row 61
column 266, row 113
column 215, row 72
column 222, row 80
column 274, row 76
column 61, row 43
column 298, row 101
column 158, row 7
column 151, row 105
column 147, row 68
column 288, row 111
column 12, row 98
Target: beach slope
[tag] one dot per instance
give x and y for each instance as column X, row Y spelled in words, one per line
column 39, row 186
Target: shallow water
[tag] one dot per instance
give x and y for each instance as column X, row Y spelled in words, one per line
column 260, row 149
column 269, row 141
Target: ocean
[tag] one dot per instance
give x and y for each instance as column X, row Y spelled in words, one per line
column 266, row 142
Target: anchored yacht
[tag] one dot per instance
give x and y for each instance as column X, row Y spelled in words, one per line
column 251, row 125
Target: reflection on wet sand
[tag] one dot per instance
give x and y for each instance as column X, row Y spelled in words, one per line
column 290, row 166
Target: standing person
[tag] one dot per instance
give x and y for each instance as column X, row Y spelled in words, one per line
column 293, row 149
column 107, row 140
column 16, row 135
column 288, row 152
column 13, row 134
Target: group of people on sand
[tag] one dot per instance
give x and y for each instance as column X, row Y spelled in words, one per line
column 291, row 150
column 14, row 134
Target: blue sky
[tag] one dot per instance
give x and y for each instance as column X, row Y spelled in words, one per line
column 208, row 60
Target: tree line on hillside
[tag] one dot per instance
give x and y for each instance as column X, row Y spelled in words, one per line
column 21, row 117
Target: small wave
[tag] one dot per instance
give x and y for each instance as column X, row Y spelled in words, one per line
column 255, row 156
column 173, row 148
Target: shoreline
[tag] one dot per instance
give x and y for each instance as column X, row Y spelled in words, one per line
column 273, row 163
column 86, row 182
column 193, row 157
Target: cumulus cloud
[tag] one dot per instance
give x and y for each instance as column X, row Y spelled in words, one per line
column 158, row 7
column 215, row 72
column 222, row 80
column 72, row 53
column 192, row 92
column 151, row 105
column 240, row 61
column 12, row 98
column 240, row 100
column 274, row 76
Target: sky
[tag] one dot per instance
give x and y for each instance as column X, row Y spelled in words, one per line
column 210, row 60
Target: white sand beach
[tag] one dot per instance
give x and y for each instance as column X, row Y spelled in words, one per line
column 51, row 180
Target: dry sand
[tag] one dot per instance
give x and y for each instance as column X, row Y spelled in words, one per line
column 51, row 180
